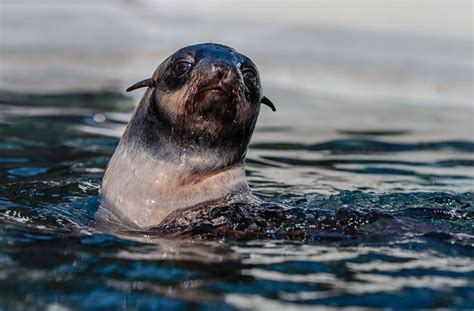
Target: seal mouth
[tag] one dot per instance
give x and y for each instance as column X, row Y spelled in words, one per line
column 215, row 89
column 214, row 101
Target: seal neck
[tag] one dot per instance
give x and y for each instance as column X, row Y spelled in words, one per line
column 141, row 190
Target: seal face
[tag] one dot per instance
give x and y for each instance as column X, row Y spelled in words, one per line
column 186, row 142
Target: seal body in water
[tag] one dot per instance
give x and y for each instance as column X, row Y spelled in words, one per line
column 186, row 143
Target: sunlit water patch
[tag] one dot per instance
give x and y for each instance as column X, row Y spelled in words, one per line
column 372, row 216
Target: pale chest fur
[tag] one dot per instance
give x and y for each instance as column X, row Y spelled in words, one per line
column 142, row 190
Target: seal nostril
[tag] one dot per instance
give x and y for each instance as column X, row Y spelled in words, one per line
column 221, row 70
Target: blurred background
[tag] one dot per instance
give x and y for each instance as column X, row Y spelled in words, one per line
column 384, row 52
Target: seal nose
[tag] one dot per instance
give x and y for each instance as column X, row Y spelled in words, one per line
column 225, row 71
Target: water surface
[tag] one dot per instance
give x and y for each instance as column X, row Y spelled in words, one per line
column 376, row 216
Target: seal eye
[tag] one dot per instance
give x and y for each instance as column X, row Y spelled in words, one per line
column 181, row 68
column 249, row 75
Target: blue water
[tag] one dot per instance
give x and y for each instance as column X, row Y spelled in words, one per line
column 354, row 217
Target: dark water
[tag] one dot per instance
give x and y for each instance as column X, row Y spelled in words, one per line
column 360, row 216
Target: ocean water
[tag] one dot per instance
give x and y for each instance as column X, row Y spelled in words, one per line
column 377, row 219
column 366, row 169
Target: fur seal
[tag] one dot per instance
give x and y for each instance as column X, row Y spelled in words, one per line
column 186, row 142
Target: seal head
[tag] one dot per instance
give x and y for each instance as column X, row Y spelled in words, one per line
column 187, row 140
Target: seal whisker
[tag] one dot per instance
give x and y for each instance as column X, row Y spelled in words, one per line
column 268, row 102
column 143, row 83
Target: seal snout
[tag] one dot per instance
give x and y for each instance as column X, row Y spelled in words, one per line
column 220, row 75
column 219, row 89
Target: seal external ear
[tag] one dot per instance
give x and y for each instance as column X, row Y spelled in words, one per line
column 268, row 102
column 144, row 83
